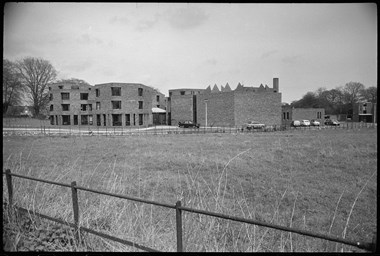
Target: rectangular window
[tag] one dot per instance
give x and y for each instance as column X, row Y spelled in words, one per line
column 52, row 120
column 287, row 115
column 127, row 119
column 97, row 105
column 284, row 114
column 104, row 120
column 141, row 117
column 65, row 119
column 158, row 98
column 60, row 86
column 116, row 104
column 90, row 107
column 98, row 120
column 51, row 97
column 182, row 92
column 140, row 91
column 83, row 107
column 140, row 105
column 75, row 119
column 51, row 107
column 97, row 92
column 65, row 107
column 90, row 119
column 84, row 119
column 65, row 96
column 116, row 120
column 84, row 96
column 116, row 91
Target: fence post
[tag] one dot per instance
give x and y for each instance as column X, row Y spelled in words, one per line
column 10, row 187
column 179, row 226
column 74, row 193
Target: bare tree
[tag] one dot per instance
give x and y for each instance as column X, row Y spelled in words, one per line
column 369, row 94
column 12, row 86
column 352, row 92
column 36, row 75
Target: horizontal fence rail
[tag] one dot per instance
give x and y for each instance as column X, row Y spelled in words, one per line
column 83, row 130
column 369, row 246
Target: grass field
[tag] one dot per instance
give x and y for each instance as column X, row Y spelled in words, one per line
column 319, row 180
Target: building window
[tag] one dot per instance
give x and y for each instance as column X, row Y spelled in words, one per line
column 287, row 115
column 158, row 98
column 284, row 114
column 98, row 121
column 116, row 104
column 127, row 119
column 65, row 119
column 51, row 107
column 116, row 120
column 140, row 105
column 49, row 88
column 83, row 107
column 65, row 96
column 170, row 94
column 90, row 107
column 158, row 106
column 51, row 97
column 97, row 92
column 141, row 117
column 65, row 107
column 182, row 92
column 90, row 119
column 84, row 96
column 116, row 91
column 84, row 119
column 60, row 86
column 140, row 91
column 75, row 119
column 97, row 105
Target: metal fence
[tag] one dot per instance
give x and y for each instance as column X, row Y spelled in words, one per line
column 89, row 130
column 179, row 209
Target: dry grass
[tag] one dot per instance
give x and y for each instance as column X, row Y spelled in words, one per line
column 323, row 180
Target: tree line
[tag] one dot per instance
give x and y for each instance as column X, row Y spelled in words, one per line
column 31, row 77
column 339, row 100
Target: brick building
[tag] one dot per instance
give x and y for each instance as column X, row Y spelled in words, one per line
column 365, row 112
column 289, row 114
column 226, row 107
column 108, row 104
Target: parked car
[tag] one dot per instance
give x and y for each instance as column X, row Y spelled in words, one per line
column 188, row 124
column 332, row 122
column 315, row 123
column 305, row 123
column 253, row 125
column 295, row 123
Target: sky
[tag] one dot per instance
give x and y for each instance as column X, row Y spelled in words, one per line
column 194, row 45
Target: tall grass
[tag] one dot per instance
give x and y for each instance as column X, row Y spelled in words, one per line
column 324, row 181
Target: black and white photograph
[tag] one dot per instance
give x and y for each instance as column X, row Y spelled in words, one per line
column 190, row 127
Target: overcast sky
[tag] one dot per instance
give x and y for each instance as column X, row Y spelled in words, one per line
column 170, row 46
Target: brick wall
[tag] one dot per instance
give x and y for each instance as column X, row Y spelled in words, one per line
column 308, row 114
column 220, row 109
column 181, row 108
column 262, row 107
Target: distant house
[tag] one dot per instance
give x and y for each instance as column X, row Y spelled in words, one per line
column 365, row 112
column 289, row 114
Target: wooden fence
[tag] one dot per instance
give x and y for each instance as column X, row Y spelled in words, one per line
column 369, row 246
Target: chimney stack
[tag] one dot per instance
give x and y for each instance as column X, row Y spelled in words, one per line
column 275, row 85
